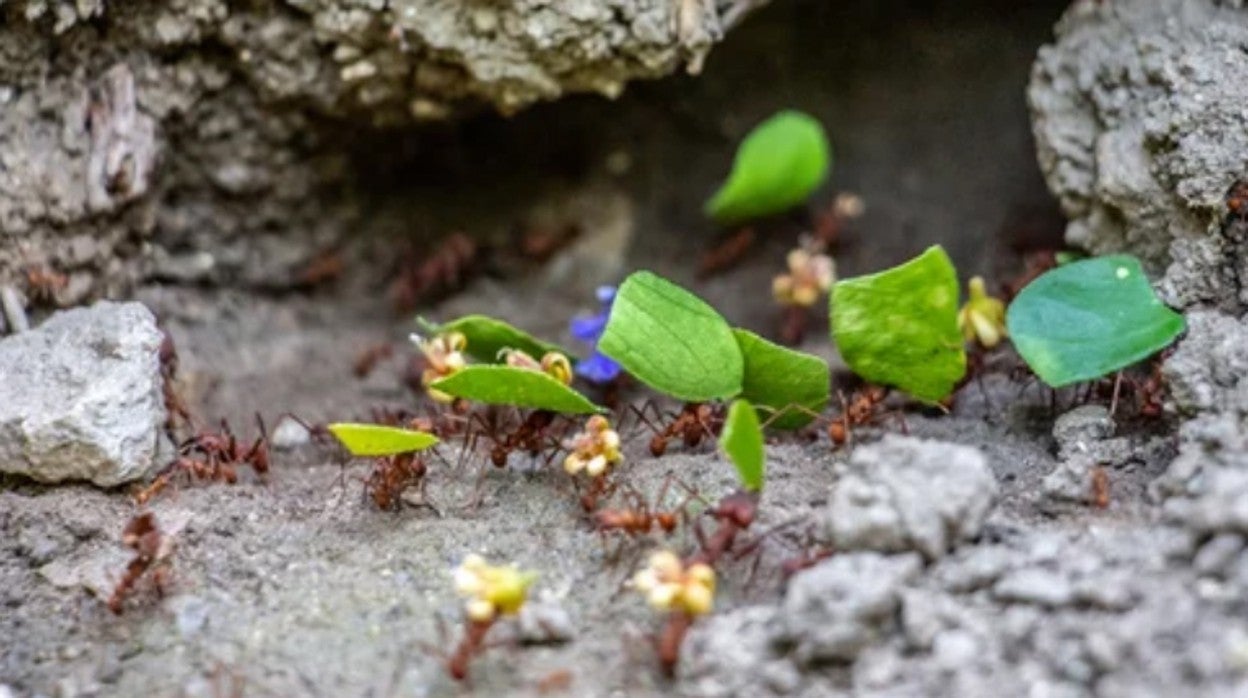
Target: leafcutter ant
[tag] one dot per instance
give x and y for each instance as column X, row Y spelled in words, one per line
column 695, row 421
column 153, row 551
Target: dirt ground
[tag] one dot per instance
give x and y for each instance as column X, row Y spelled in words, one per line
column 298, row 587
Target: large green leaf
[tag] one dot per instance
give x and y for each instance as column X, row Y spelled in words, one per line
column 374, row 440
column 778, row 165
column 671, row 340
column 742, row 440
column 780, row 380
column 521, row 387
column 1086, row 319
column 900, row 327
column 488, row 336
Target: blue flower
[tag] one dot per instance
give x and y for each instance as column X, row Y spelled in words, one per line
column 596, row 368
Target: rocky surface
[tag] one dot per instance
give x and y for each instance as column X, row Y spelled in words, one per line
column 1139, row 114
column 81, row 397
column 183, row 141
column 908, row 494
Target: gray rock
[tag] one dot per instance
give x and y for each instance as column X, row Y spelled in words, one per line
column 82, row 398
column 833, row 611
column 1036, row 586
column 1215, row 556
column 545, row 623
column 734, row 654
column 1077, row 429
column 289, row 435
column 1071, row 480
column 905, row 494
column 1140, row 114
column 977, row 569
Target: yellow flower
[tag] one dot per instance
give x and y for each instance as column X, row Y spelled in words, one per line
column 982, row 319
column 594, row 450
column 444, row 355
column 491, row 590
column 810, row 276
column 671, row 586
column 553, row 363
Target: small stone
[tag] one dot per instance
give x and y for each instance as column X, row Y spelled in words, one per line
column 955, row 649
column 906, row 494
column 289, row 435
column 1075, row 430
column 980, row 568
column 82, row 396
column 838, row 608
column 545, row 623
column 731, row 654
column 1036, row 586
column 1215, row 557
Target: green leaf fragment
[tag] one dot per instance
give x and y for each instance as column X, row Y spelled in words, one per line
column 672, row 341
column 777, row 166
column 783, row 384
column 375, row 440
column 488, row 336
column 1087, row 319
column 520, row 387
column 742, row 441
column 900, row 327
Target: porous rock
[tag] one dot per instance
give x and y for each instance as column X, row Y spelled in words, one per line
column 205, row 141
column 735, row 654
column 81, row 397
column 1140, row 113
column 906, row 494
column 836, row 609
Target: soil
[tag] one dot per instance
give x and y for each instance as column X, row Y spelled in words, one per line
column 298, row 586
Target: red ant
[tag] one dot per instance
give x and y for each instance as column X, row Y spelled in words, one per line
column 735, row 513
column 641, row 519
column 153, row 551
column 219, row 454
column 726, row 254
column 175, row 406
column 1100, row 487
column 862, row 410
column 694, row 422
column 445, row 268
column 530, row 436
column 43, row 283
column 368, row 359
column 391, row 476
column 1034, row 264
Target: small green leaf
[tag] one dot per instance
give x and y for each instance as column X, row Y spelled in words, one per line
column 367, row 440
column 742, row 440
column 487, row 336
column 671, row 340
column 1087, row 319
column 521, row 387
column 778, row 165
column 900, row 327
column 779, row 379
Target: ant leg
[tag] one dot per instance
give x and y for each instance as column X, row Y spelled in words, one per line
column 1113, row 401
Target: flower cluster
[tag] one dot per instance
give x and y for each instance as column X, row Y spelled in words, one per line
column 491, row 590
column 593, row 450
column 671, row 586
column 596, row 368
column 810, row 276
column 553, row 364
column 982, row 319
column 444, row 355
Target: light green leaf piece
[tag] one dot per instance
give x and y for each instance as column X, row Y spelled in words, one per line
column 672, row 341
column 742, row 441
column 900, row 327
column 783, row 384
column 375, row 440
column 778, row 165
column 521, row 387
column 487, row 336
column 1087, row 319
